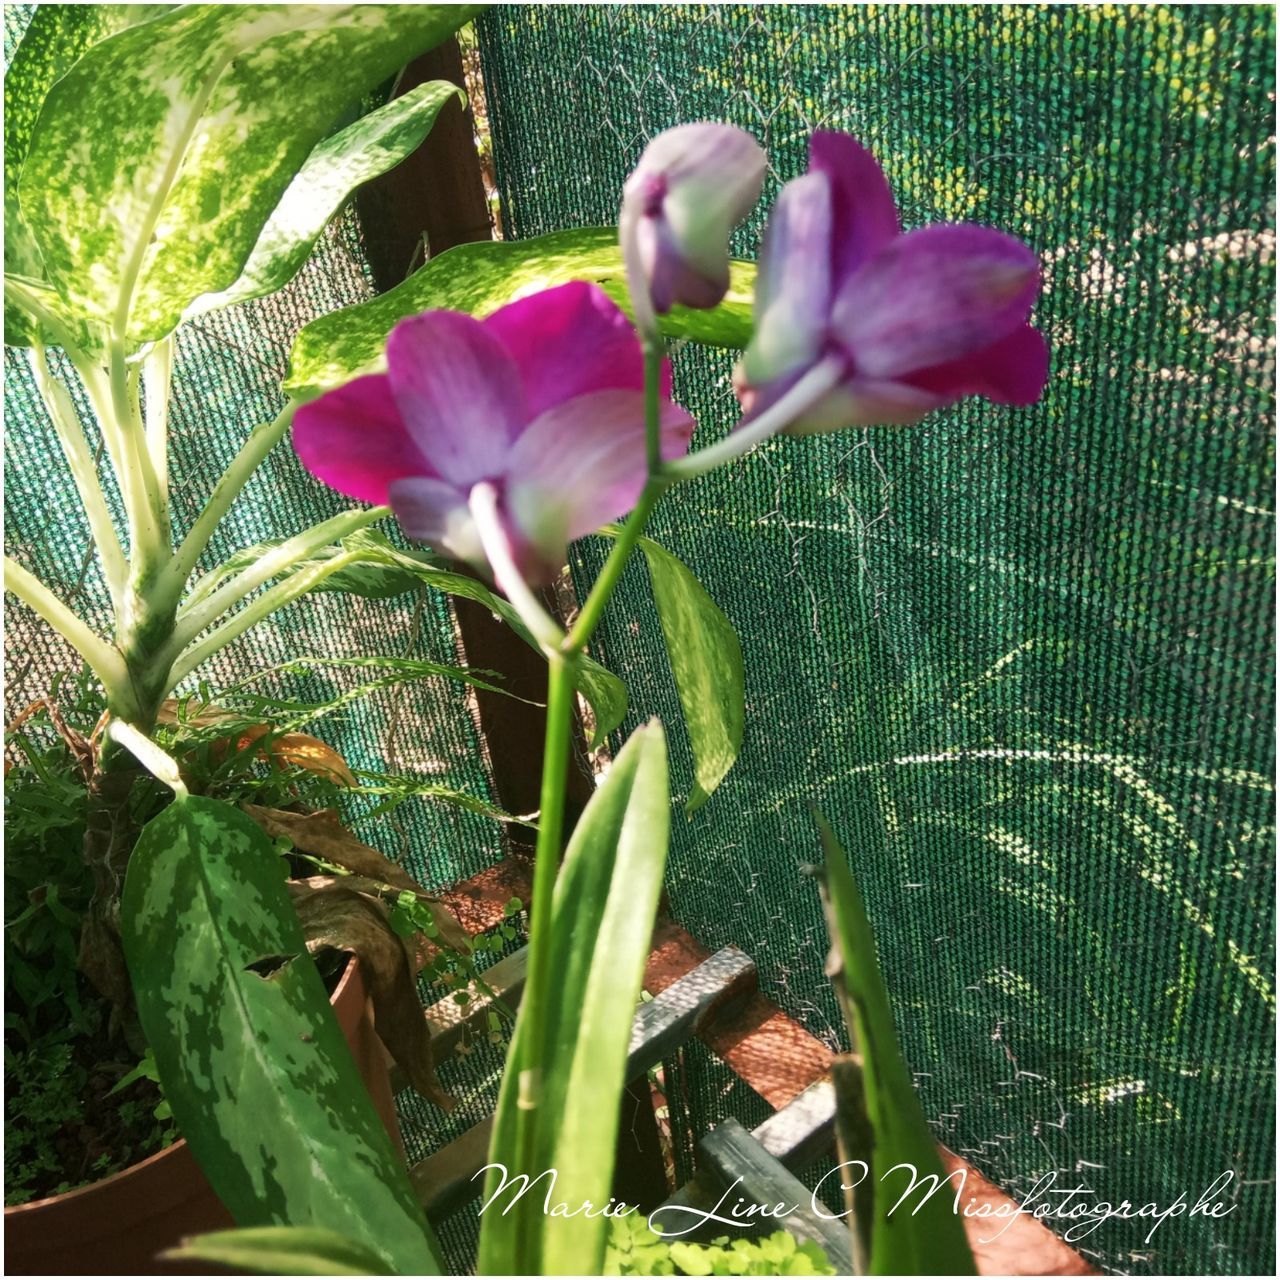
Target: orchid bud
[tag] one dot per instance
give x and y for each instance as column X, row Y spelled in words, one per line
column 693, row 185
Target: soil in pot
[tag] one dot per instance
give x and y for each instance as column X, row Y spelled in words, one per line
column 118, row 1225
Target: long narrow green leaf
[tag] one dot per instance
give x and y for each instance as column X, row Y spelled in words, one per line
column 706, row 660
column 160, row 156
column 480, row 278
column 249, row 1051
column 605, row 903
column 371, row 146
column 929, row 1239
column 282, row 1251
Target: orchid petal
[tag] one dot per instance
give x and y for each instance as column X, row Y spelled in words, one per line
column 865, row 218
column 582, row 464
column 793, row 283
column 568, row 341
column 692, row 186
column 1011, row 371
column 458, row 391
column 434, row 512
column 935, row 295
column 354, row 439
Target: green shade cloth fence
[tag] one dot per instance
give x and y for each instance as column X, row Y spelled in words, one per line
column 1022, row 658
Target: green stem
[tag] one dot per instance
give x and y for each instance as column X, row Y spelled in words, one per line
column 159, row 764
column 157, row 375
column 70, row 432
column 269, row 565
column 267, row 603
column 149, row 516
column 106, row 662
column 555, row 763
column 261, row 441
column 603, row 588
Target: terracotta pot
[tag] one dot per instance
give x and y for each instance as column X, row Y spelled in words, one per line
column 118, row 1225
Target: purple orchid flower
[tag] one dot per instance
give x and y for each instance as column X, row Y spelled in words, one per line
column 883, row 327
column 691, row 187
column 538, row 410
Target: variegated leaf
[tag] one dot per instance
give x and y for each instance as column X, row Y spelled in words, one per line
column 374, row 144
column 250, row 1054
column 480, row 278
column 280, row 1251
column 160, row 156
column 55, row 37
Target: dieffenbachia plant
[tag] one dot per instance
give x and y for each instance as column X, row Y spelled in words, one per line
column 161, row 162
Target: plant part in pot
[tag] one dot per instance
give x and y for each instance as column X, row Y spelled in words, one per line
column 207, row 160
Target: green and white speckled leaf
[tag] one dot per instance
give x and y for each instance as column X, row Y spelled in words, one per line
column 480, row 278
column 369, row 147
column 160, row 156
column 261, row 1082
column 56, row 36
column 606, row 899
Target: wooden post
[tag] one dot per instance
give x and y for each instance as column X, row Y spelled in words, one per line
column 431, row 202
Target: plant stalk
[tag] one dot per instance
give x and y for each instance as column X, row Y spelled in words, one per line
column 261, row 441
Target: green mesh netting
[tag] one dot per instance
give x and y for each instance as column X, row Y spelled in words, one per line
column 1022, row 658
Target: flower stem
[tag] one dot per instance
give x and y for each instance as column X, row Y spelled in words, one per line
column 483, row 501
column 555, row 763
column 561, row 654
column 811, row 388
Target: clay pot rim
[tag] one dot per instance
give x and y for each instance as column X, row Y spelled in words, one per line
column 122, row 1177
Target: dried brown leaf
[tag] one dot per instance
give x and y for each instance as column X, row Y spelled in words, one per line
column 323, row 835
column 334, row 913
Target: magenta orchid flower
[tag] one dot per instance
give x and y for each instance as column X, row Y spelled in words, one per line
column 691, row 187
column 537, row 410
column 900, row 324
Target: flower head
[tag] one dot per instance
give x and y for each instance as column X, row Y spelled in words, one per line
column 542, row 403
column 692, row 186
column 915, row 320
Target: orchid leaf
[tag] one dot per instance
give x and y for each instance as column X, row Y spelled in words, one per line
column 372, row 145
column 706, row 660
column 606, row 899
column 160, row 156
column 920, row 1239
column 281, row 1251
column 249, row 1051
column 480, row 278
